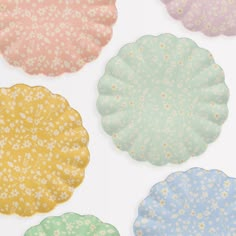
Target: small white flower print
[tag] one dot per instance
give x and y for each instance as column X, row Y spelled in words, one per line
column 194, row 212
column 33, row 137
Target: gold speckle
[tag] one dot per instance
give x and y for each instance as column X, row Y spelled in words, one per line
column 201, row 226
column 3, row 7
column 224, row 194
column 227, row 183
column 162, row 202
column 162, row 45
column 139, row 233
column 163, row 95
column 193, row 213
column 168, row 155
column 180, row 11
column 167, row 106
column 131, row 54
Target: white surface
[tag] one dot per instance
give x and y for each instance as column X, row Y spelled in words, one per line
column 115, row 184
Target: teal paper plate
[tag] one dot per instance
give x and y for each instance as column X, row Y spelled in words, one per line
column 163, row 99
column 72, row 224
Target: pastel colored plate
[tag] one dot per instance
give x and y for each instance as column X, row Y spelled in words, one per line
column 72, row 224
column 43, row 150
column 163, row 99
column 52, row 37
column 195, row 202
column 208, row 16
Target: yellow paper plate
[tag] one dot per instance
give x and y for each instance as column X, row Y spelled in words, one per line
column 43, row 150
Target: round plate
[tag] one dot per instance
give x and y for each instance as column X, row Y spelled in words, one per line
column 163, row 99
column 208, row 16
column 72, row 224
column 52, row 37
column 195, row 202
column 43, row 150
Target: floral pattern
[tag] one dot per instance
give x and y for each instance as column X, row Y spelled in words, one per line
column 72, row 224
column 163, row 99
column 209, row 16
column 43, row 150
column 54, row 36
column 195, row 203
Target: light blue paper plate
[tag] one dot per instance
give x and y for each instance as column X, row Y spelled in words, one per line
column 163, row 99
column 192, row 203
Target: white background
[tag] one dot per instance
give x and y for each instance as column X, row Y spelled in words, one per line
column 115, row 184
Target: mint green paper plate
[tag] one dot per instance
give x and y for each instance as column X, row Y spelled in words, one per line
column 72, row 224
column 163, row 99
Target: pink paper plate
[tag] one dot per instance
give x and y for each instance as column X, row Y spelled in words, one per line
column 54, row 36
column 212, row 17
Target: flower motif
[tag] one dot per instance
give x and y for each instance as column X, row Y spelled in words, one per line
column 190, row 213
column 43, row 151
column 163, row 99
column 52, row 37
column 208, row 16
column 72, row 224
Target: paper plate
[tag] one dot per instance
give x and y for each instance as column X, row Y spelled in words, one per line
column 208, row 16
column 163, row 99
column 72, row 224
column 43, row 150
column 52, row 37
column 197, row 202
